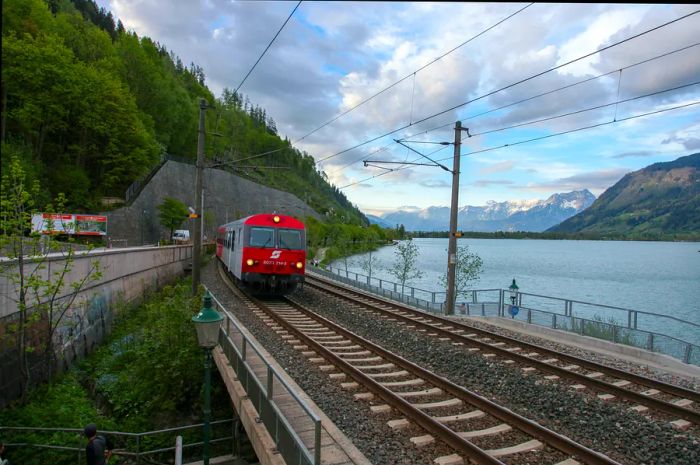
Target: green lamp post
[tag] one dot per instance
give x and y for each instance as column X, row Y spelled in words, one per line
column 513, row 292
column 207, row 324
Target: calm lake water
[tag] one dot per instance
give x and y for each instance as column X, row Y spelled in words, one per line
column 657, row 277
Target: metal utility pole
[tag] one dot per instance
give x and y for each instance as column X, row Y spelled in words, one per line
column 452, row 244
column 197, row 250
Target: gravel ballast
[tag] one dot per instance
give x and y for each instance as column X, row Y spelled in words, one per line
column 608, row 428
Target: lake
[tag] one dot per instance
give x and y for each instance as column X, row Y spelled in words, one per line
column 657, row 277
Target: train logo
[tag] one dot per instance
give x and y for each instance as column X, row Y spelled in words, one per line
column 266, row 253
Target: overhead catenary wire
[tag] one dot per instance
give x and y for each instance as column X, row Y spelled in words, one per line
column 521, row 81
column 335, row 118
column 548, row 136
column 533, row 97
column 268, row 46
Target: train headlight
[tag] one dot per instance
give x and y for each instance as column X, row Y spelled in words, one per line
column 249, row 262
column 300, row 265
column 276, row 219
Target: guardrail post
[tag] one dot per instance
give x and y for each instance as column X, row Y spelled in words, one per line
column 317, row 443
column 473, row 296
column 686, row 356
column 270, row 382
column 138, row 449
column 529, row 315
column 243, row 347
column 650, row 342
column 501, row 310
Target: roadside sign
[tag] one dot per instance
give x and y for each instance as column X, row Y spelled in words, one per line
column 514, row 310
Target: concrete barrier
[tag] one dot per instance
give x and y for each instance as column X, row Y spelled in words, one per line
column 127, row 276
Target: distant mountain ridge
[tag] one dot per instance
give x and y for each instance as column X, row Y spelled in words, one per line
column 514, row 215
column 663, row 198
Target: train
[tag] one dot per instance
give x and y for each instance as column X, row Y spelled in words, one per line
column 265, row 253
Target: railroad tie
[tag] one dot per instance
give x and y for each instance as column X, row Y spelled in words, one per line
column 443, row 403
column 568, row 462
column 363, row 396
column 518, row 448
column 453, row 459
column 350, row 385
column 424, row 392
column 498, row 429
column 375, row 367
column 384, row 408
column 393, row 374
column 422, row 441
column 398, row 424
column 621, row 383
column 681, row 425
column 409, row 382
column 682, row 402
column 461, row 416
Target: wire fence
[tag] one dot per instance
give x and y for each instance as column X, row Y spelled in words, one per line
column 35, row 445
column 645, row 330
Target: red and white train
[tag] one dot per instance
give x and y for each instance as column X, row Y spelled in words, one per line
column 265, row 252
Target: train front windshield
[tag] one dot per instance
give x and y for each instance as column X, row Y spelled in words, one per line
column 290, row 239
column 262, row 237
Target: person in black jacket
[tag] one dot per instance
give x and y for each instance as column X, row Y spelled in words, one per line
column 97, row 451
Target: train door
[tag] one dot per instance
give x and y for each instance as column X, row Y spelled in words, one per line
column 229, row 249
column 238, row 252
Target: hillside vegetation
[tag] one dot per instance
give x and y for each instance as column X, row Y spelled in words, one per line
column 661, row 200
column 90, row 107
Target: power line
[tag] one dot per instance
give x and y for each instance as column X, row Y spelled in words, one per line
column 268, row 46
column 412, row 74
column 535, row 139
column 647, row 60
column 588, row 55
column 576, row 112
column 657, row 57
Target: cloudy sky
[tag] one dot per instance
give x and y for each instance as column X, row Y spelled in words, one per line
column 545, row 113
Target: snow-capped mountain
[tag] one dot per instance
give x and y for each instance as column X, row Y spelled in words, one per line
column 514, row 215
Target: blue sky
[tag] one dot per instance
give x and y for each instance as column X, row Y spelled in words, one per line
column 333, row 55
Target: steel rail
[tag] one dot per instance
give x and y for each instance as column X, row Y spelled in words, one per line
column 657, row 404
column 556, row 440
column 478, row 455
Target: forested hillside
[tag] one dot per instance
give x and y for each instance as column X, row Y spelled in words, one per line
column 90, row 107
column 659, row 201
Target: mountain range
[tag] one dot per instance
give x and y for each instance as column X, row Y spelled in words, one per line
column 663, row 198
column 513, row 215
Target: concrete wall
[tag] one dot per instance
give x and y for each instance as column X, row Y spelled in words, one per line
column 127, row 276
column 226, row 197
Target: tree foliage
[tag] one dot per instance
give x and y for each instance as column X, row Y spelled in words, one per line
column 172, row 213
column 405, row 267
column 94, row 107
column 467, row 270
column 43, row 295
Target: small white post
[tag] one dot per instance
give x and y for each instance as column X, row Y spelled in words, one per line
column 178, row 450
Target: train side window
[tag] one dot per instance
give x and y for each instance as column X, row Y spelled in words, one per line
column 233, row 239
column 262, row 237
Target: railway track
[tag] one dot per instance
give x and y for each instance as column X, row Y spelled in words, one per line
column 473, row 427
column 677, row 405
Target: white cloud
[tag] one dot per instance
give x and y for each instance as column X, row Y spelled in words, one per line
column 333, row 55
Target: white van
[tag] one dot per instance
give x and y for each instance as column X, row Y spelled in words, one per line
column 181, row 235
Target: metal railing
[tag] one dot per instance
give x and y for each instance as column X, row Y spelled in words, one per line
column 615, row 324
column 263, row 391
column 129, row 445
